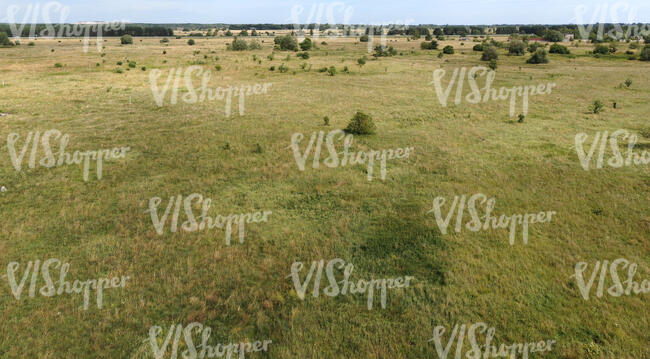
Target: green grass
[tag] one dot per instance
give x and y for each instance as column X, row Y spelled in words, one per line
column 243, row 291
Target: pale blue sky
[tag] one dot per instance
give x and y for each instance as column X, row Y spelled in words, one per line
column 359, row 11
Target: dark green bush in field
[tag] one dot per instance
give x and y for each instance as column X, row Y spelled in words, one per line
column 132, row 64
column 601, row 49
column 322, row 69
column 191, row 42
column 272, row 68
column 493, row 65
column 478, row 47
column 517, row 48
column 31, row 43
column 539, row 57
column 331, row 71
column 559, row 49
column 306, row 45
column 597, row 107
column 361, row 124
column 364, row 38
column 449, row 50
column 432, row 45
column 286, row 43
column 4, row 40
column 553, row 36
column 490, row 53
column 326, row 121
column 58, row 65
column 645, row 54
column 303, row 55
column 283, row 68
column 381, row 51
column 119, row 63
column 164, row 39
column 126, row 39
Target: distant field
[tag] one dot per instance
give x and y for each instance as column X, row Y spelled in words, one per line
column 244, row 163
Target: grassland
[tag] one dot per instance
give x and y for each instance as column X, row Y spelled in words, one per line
column 243, row 291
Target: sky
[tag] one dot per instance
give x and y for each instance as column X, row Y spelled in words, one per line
column 452, row 12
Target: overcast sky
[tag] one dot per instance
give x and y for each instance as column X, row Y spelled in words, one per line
column 464, row 12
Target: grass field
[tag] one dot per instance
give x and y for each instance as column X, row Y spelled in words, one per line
column 244, row 163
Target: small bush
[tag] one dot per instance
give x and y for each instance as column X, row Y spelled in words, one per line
column 478, row 47
column 306, row 45
column 272, row 68
column 539, row 57
column 364, row 38
column 217, row 67
column 303, row 55
column 597, row 107
column 346, row 70
column 283, row 68
column 119, row 63
column 628, row 82
column 322, row 69
column 132, row 64
column 490, row 53
column 118, row 70
column 191, row 42
column 645, row 54
column 361, row 124
column 58, row 65
column 433, row 45
column 164, row 40
column 126, row 39
column 254, row 45
column 521, row 118
column 31, row 43
column 143, row 68
column 449, row 50
column 331, row 71
column 258, row 148
column 601, row 49
column 286, row 43
column 559, row 49
column 517, row 48
column 326, row 121
column 493, row 65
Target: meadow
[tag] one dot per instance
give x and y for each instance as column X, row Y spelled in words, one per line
column 245, row 164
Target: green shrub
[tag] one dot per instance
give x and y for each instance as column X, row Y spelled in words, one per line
column 191, row 42
column 272, row 68
column 31, row 43
column 254, row 45
column 493, row 65
column 539, row 57
column 217, row 67
column 517, row 48
column 283, row 68
column 645, row 54
column 331, row 71
column 326, row 121
column 433, row 45
column 4, row 40
column 449, row 50
column 126, row 39
column 118, row 70
column 553, row 36
column 559, row 49
column 601, row 49
column 490, row 53
column 164, row 40
column 58, row 65
column 143, row 68
column 238, row 45
column 303, row 55
column 380, row 51
column 628, row 82
column 478, row 47
column 132, row 64
column 322, row 69
column 362, row 61
column 306, row 45
column 361, row 124
column 286, row 43
column 597, row 107
column 346, row 70
column 364, row 38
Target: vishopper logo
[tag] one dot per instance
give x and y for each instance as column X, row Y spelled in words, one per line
column 206, row 222
column 331, row 13
column 348, row 158
column 599, row 15
column 49, row 289
column 488, row 350
column 204, row 92
column 203, row 350
column 618, row 288
column 475, row 224
column 346, row 285
column 49, row 160
column 487, row 93
column 617, row 160
column 31, row 17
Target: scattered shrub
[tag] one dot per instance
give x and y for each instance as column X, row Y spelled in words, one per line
column 597, row 107
column 490, row 53
column 283, row 68
column 217, row 67
column 478, row 47
column 517, row 48
column 361, row 124
column 303, row 55
column 164, row 40
column 380, row 51
column 433, row 45
column 449, row 50
column 118, row 70
column 601, row 49
column 322, row 69
column 191, row 42
column 331, row 71
column 559, row 49
column 254, row 45
column 286, row 43
column 119, row 63
column 238, row 45
column 132, row 64
column 539, row 57
column 58, row 65
column 346, row 70
column 645, row 54
column 364, row 38
column 272, row 68
column 361, row 61
column 31, row 43
column 126, row 39
column 143, row 68
column 628, row 82
column 493, row 65
column 306, row 45
column 326, row 121
column 521, row 118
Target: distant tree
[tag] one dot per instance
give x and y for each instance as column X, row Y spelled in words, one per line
column 559, row 49
column 364, row 38
column 191, row 42
column 228, row 33
column 645, row 54
column 361, row 61
column 432, row 45
column 238, row 45
column 449, row 50
column 286, row 43
column 254, row 33
column 4, row 39
column 243, row 33
column 554, row 36
column 478, row 47
column 601, row 49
